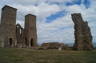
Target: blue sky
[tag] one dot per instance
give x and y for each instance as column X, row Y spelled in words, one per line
column 54, row 23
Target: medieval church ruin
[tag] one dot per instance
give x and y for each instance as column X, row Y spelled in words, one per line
column 12, row 34
column 83, row 37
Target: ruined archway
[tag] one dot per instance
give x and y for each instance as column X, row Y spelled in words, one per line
column 10, row 41
column 19, row 35
column 26, row 41
column 31, row 42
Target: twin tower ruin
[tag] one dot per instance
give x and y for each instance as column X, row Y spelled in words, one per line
column 12, row 34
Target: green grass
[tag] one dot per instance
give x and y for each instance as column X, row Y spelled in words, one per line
column 16, row 55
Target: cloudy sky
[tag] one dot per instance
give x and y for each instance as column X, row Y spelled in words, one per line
column 54, row 21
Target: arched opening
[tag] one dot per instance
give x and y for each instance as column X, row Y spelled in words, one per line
column 10, row 41
column 31, row 42
column 26, row 41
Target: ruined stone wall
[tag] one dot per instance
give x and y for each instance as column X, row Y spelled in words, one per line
column 83, row 37
column 30, row 30
column 19, row 36
column 8, row 27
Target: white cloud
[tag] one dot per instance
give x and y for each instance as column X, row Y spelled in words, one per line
column 41, row 11
column 40, row 1
column 63, row 35
column 57, row 31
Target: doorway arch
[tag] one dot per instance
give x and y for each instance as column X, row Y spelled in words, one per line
column 26, row 42
column 10, row 41
column 31, row 42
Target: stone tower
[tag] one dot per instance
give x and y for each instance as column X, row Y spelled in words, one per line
column 83, row 37
column 30, row 30
column 8, row 27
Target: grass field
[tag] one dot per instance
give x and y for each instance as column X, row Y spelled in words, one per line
column 14, row 55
